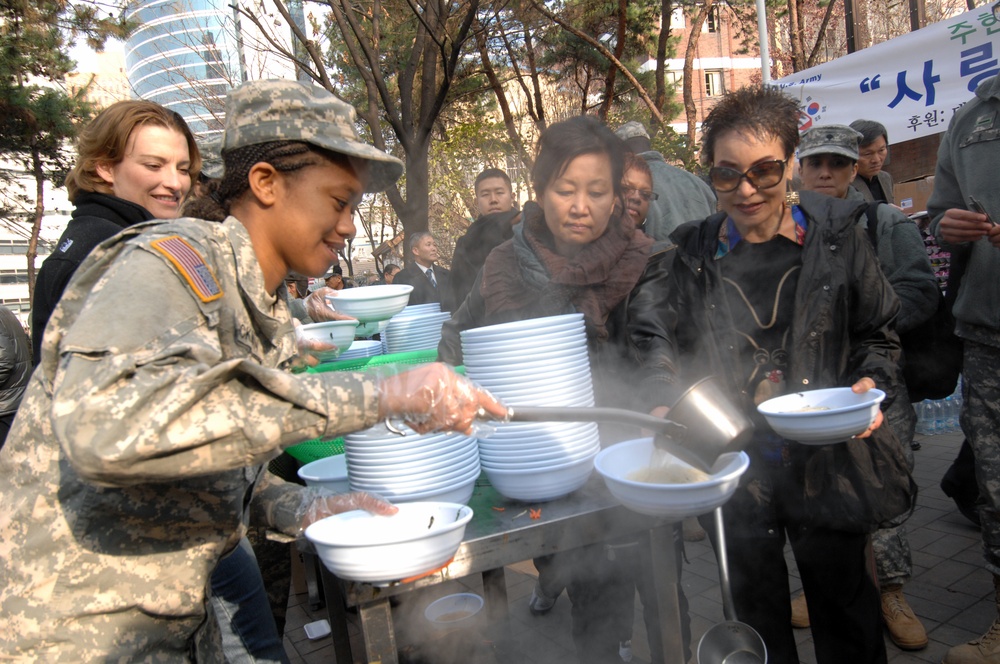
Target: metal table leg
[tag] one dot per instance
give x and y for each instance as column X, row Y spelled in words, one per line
column 665, row 580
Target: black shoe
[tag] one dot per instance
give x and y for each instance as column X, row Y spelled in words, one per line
column 969, row 511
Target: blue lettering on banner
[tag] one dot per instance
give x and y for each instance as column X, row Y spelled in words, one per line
column 979, row 63
column 904, row 90
column 869, row 84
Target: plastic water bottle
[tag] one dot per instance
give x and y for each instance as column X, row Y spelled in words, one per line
column 940, row 418
column 951, row 415
column 925, row 418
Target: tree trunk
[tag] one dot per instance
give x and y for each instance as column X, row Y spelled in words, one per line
column 662, row 40
column 795, row 34
column 690, row 111
column 609, row 79
column 501, row 95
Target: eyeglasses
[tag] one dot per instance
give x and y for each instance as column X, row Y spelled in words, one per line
column 764, row 175
column 644, row 194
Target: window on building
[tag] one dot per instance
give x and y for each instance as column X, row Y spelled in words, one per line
column 673, row 77
column 714, row 83
column 713, row 22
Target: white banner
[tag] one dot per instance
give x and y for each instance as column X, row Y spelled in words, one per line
column 912, row 84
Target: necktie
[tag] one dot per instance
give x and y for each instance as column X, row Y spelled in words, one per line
column 430, row 275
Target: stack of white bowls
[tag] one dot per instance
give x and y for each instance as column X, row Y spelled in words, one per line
column 536, row 362
column 361, row 349
column 417, row 327
column 414, row 467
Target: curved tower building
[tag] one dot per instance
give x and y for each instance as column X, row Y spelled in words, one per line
column 184, row 55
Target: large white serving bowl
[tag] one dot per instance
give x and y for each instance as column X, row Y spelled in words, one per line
column 371, row 303
column 360, row 546
column 821, row 417
column 559, row 329
column 619, row 461
column 542, row 484
column 339, row 333
column 527, row 325
column 330, row 473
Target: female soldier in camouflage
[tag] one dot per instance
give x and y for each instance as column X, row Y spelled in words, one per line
column 131, row 466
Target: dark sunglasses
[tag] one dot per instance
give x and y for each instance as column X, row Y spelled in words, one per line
column 764, row 175
column 643, row 193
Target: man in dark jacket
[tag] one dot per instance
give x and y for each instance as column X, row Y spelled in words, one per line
column 431, row 282
column 494, row 226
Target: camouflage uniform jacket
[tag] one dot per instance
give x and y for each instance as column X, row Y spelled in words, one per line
column 132, row 462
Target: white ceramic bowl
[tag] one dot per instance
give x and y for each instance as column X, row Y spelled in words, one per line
column 821, row 417
column 554, row 331
column 453, row 611
column 359, row 546
column 535, row 461
column 330, row 473
column 542, row 484
column 371, row 303
column 430, row 469
column 678, row 501
column 456, row 493
column 390, row 488
column 340, row 333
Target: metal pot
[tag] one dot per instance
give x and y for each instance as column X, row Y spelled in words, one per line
column 729, row 642
column 703, row 424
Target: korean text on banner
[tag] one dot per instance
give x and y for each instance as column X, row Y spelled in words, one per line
column 912, row 84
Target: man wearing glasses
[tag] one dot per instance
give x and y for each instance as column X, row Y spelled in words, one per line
column 680, row 196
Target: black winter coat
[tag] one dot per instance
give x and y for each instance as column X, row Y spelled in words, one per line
column 842, row 331
column 96, row 218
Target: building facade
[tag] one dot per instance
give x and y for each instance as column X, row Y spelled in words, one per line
column 184, row 55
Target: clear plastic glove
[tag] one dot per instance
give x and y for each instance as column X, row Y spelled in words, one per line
column 432, row 397
column 319, row 310
column 320, row 503
column 307, row 349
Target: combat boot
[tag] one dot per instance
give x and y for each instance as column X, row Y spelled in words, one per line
column 905, row 629
column 985, row 649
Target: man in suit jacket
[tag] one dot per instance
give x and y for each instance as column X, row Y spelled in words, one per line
column 873, row 183
column 431, row 283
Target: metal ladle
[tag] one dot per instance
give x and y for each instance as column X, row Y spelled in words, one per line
column 703, row 424
column 729, row 642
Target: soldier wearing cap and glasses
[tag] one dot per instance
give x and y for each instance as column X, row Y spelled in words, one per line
column 138, row 454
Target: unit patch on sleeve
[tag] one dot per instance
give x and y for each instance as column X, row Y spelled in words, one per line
column 191, row 265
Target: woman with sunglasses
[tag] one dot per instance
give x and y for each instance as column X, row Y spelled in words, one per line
column 780, row 295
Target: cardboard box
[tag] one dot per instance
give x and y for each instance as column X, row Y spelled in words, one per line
column 912, row 195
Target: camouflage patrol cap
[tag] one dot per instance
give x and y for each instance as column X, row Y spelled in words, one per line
column 631, row 129
column 830, row 139
column 211, row 157
column 279, row 110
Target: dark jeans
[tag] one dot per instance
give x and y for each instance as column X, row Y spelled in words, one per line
column 844, row 605
column 249, row 634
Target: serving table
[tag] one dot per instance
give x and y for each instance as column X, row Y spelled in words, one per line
column 502, row 532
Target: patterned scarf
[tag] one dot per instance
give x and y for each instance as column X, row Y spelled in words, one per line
column 527, row 271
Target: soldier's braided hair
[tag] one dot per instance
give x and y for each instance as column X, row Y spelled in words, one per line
column 284, row 156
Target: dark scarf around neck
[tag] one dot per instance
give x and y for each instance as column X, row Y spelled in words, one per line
column 528, row 271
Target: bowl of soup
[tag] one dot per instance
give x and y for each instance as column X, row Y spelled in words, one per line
column 651, row 481
column 822, row 417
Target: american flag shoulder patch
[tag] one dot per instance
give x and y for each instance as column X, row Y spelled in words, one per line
column 191, row 265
